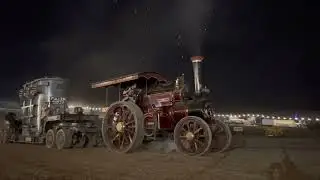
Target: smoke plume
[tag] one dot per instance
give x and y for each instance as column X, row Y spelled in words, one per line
column 192, row 18
column 102, row 39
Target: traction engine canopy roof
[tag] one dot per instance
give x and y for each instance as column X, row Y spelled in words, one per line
column 128, row 78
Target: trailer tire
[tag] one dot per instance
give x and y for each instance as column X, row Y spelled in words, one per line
column 64, row 139
column 50, row 139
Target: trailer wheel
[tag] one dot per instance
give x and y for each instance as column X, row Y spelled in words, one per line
column 50, row 139
column 222, row 137
column 63, row 139
column 123, row 127
column 192, row 136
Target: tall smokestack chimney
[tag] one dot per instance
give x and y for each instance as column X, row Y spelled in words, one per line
column 196, row 63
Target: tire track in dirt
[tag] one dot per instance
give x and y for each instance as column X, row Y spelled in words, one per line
column 32, row 160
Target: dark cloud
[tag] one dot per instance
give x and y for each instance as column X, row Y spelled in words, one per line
column 100, row 39
column 254, row 50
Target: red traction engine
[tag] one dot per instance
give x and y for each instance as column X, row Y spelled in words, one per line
column 150, row 106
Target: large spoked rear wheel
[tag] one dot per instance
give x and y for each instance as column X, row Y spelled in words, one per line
column 50, row 139
column 123, row 127
column 192, row 136
column 222, row 137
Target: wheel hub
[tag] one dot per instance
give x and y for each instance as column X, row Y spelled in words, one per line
column 120, row 126
column 189, row 136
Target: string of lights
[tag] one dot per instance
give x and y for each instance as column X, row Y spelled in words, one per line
column 230, row 115
column 99, row 109
column 235, row 115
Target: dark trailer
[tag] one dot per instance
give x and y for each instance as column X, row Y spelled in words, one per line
column 44, row 118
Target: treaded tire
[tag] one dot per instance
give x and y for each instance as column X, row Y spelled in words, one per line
column 63, row 139
column 50, row 139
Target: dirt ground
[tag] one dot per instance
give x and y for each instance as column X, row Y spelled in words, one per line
column 300, row 156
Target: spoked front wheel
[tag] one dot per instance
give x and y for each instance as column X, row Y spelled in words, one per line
column 193, row 136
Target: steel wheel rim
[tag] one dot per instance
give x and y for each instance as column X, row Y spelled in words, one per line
column 60, row 139
column 194, row 137
column 49, row 139
column 120, row 133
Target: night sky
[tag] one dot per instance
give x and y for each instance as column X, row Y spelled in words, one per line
column 259, row 54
